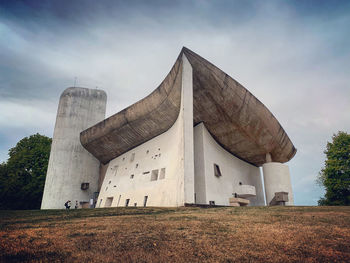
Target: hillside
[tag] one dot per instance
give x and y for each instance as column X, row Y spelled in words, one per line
column 241, row 234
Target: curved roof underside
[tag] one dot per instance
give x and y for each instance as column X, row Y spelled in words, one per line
column 237, row 120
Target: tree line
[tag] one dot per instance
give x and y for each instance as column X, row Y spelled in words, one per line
column 22, row 176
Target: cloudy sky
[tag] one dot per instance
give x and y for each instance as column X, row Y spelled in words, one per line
column 294, row 56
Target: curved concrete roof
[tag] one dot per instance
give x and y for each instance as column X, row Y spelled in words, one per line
column 237, row 120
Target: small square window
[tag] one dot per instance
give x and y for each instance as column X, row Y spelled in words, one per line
column 132, row 176
column 154, row 175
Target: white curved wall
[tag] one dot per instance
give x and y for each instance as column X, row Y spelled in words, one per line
column 277, row 179
column 129, row 176
column 70, row 164
column 209, row 187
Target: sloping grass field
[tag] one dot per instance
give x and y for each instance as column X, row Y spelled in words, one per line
column 237, row 234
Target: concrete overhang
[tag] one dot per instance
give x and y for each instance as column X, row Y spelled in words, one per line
column 237, row 120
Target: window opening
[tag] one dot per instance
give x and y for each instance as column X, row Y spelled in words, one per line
column 145, row 201
column 119, row 200
column 217, row 171
column 135, row 204
column 99, row 205
column 137, row 165
column 84, row 186
column 154, row 175
column 116, row 170
column 147, row 151
column 211, row 202
column 127, row 202
column 109, row 201
column 106, row 188
column 146, row 172
column 132, row 157
column 162, row 174
column 132, row 176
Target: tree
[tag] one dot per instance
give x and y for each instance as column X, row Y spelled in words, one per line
column 22, row 177
column 335, row 176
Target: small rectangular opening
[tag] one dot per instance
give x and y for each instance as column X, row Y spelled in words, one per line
column 162, row 174
column 146, row 172
column 211, row 202
column 217, row 171
column 109, row 201
column 115, row 170
column 135, row 204
column 145, row 201
column 127, row 202
column 154, row 175
column 132, row 176
column 99, row 204
column 84, row 186
column 132, row 157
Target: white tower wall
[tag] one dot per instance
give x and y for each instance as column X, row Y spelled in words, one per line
column 70, row 164
column 277, row 179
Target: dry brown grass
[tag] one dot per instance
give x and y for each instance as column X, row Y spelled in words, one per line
column 242, row 234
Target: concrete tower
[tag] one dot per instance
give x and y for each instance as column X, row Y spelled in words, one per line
column 73, row 172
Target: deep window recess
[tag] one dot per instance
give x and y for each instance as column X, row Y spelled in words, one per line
column 132, row 157
column 154, row 175
column 127, row 202
column 119, row 200
column 135, row 204
column 84, row 186
column 132, row 176
column 145, row 201
column 211, row 202
column 109, row 201
column 162, row 174
column 217, row 171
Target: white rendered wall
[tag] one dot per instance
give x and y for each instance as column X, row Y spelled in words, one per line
column 208, row 187
column 172, row 150
column 277, row 179
column 163, row 151
column 70, row 164
column 187, row 95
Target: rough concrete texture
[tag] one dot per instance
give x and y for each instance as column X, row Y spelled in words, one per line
column 70, row 164
column 237, row 120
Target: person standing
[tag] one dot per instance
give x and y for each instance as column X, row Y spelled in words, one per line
column 67, row 204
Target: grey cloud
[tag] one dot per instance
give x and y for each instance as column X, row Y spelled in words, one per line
column 296, row 62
